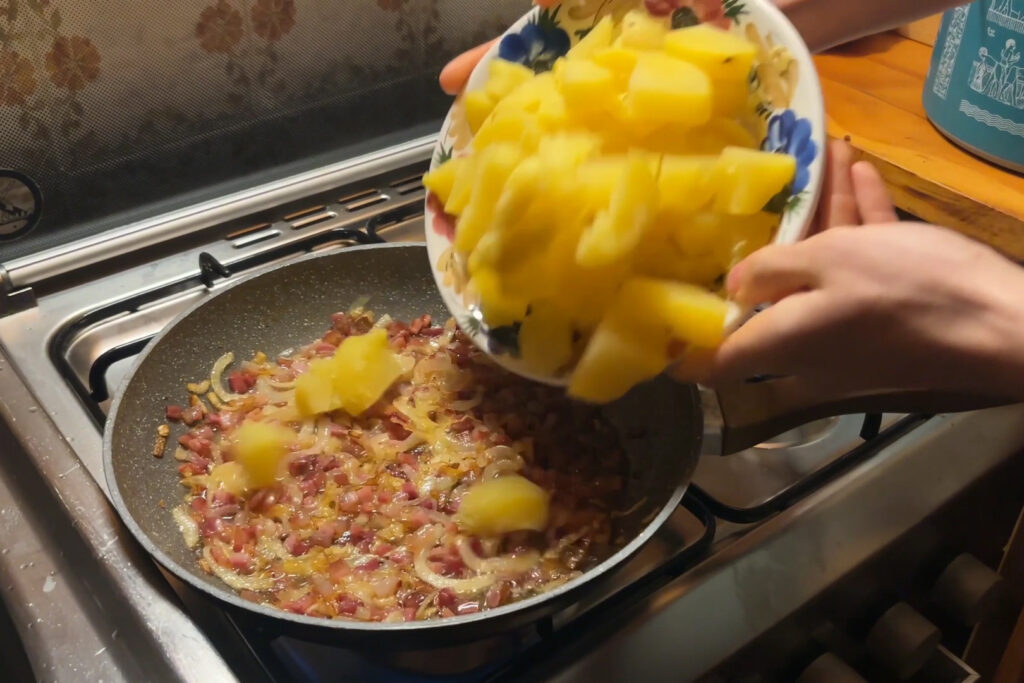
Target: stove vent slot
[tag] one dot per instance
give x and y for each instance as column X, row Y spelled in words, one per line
column 408, row 185
column 361, row 200
column 310, row 216
column 253, row 235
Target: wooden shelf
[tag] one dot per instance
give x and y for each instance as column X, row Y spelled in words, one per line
column 873, row 90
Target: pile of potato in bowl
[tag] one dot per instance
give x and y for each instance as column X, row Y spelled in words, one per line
column 603, row 171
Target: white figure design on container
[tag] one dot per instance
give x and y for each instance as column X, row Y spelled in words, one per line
column 999, row 79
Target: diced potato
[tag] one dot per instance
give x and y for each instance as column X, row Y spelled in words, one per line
column 545, row 338
column 521, row 130
column 486, row 253
column 527, row 97
column 669, row 264
column 688, row 313
column 441, row 180
column 750, row 233
column 598, row 38
column 616, row 232
column 503, row 505
column 748, row 179
column 498, row 308
column 724, row 56
column 619, row 60
column 641, row 31
column 583, row 290
column 230, row 477
column 685, row 183
column 587, row 85
column 260, row 448
column 478, row 106
column 365, row 368
column 495, row 165
column 615, row 361
column 564, row 152
column 523, row 185
column 665, row 90
column 504, row 77
column 462, row 187
column 703, row 235
column 314, row 389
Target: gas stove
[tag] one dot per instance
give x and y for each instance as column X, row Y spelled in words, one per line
column 748, row 580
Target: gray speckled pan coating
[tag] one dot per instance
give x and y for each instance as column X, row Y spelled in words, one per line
column 286, row 306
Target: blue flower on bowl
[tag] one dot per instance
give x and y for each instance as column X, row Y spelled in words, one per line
column 788, row 134
column 538, row 45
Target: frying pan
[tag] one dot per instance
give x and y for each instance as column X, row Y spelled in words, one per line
column 662, row 424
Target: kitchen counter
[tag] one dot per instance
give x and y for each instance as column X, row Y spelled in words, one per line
column 873, row 91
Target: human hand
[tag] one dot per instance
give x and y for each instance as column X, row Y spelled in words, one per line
column 456, row 73
column 874, row 305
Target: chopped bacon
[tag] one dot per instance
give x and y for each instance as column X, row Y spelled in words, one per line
column 240, row 561
column 462, row 425
column 369, row 565
column 296, row 545
column 192, row 415
column 173, row 412
column 300, row 606
column 328, row 531
column 263, row 499
column 396, row 430
column 471, row 607
column 347, row 605
column 497, row 594
column 446, row 598
column 242, row 381
column 301, row 466
column 325, row 350
column 336, row 430
column 381, row 548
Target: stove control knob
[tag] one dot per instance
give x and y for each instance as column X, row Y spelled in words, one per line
column 902, row 641
column 968, row 590
column 829, row 669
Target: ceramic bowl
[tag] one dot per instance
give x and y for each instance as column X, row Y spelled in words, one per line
column 789, row 104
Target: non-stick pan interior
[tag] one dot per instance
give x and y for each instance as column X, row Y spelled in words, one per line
column 291, row 305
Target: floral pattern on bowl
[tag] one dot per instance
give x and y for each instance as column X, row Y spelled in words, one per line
column 788, row 118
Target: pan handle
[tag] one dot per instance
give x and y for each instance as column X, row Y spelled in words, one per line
column 741, row 416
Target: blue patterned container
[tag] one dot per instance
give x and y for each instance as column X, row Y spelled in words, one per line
column 974, row 93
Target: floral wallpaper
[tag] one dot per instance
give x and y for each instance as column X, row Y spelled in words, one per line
column 86, row 85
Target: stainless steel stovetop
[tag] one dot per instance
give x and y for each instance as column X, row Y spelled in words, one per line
column 761, row 535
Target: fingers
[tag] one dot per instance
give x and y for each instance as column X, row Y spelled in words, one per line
column 456, row 73
column 838, row 203
column 773, row 342
column 771, row 274
column 873, row 202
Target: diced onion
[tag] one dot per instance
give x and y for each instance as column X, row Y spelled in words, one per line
column 461, row 586
column 512, row 564
column 235, row 580
column 216, row 377
column 187, row 525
